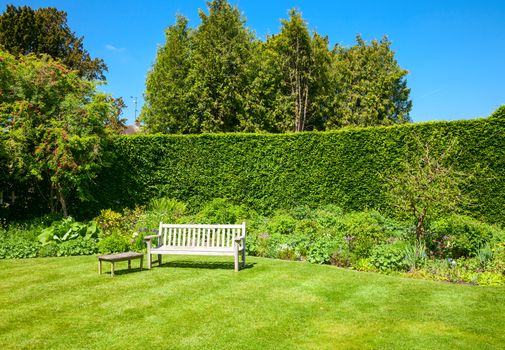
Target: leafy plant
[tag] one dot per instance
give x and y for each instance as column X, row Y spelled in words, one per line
column 484, row 254
column 281, row 223
column 363, row 231
column 388, row 257
column 79, row 246
column 415, row 255
column 320, row 251
column 458, row 236
column 68, row 229
column 18, row 249
column 109, row 221
column 115, row 243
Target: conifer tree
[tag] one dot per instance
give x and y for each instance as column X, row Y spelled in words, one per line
column 371, row 88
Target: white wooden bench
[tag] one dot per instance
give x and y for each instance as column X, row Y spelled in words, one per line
column 198, row 239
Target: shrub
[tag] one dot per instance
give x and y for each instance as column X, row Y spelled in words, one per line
column 281, row 223
column 458, row 236
column 18, row 249
column 78, row 246
column 115, row 243
column 48, row 250
column 328, row 215
column 320, row 250
column 363, row 231
column 270, row 172
column 388, row 257
column 109, row 221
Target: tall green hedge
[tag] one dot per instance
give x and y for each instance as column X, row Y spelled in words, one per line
column 265, row 171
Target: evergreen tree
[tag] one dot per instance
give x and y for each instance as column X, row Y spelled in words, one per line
column 45, row 31
column 371, row 88
column 302, row 63
column 219, row 76
column 167, row 108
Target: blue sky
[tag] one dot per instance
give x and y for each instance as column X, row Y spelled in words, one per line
column 454, row 50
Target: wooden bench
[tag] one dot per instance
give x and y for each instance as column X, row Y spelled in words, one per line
column 113, row 258
column 193, row 239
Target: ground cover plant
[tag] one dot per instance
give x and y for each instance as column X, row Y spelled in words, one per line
column 199, row 302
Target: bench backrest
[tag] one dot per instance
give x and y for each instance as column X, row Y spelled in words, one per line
column 200, row 235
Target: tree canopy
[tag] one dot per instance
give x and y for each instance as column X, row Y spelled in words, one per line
column 219, row 78
column 45, row 31
column 52, row 124
column 371, row 86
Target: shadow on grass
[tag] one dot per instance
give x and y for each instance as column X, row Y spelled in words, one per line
column 211, row 265
column 125, row 271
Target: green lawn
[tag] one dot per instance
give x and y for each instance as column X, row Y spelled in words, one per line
column 199, row 302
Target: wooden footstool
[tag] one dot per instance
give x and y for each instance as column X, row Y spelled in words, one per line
column 113, row 258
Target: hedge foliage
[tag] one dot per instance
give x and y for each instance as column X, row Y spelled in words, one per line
column 269, row 171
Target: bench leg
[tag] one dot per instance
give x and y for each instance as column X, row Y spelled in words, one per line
column 149, row 260
column 129, row 264
column 99, row 267
column 243, row 257
column 112, row 269
column 141, row 262
column 236, row 260
column 159, row 259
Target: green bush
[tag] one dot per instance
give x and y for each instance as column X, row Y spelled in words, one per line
column 48, row 250
column 363, row 230
column 78, row 246
column 388, row 257
column 459, row 236
column 320, row 250
column 109, row 222
column 115, row 243
column 18, row 249
column 281, row 223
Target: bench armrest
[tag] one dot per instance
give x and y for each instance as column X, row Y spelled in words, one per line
column 241, row 238
column 148, row 238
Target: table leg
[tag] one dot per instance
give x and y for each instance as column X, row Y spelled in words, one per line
column 112, row 269
column 141, row 262
column 99, row 267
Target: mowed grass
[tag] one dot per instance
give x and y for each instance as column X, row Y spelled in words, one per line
column 201, row 303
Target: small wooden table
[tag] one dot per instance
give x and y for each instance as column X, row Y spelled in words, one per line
column 113, row 258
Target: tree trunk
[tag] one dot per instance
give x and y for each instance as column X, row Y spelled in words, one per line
column 420, row 225
column 61, row 198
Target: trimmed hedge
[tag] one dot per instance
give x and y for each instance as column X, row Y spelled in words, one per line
column 270, row 171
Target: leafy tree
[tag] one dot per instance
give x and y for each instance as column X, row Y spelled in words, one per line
column 219, row 75
column 201, row 77
column 218, row 78
column 167, row 108
column 302, row 64
column 53, row 123
column 45, row 31
column 428, row 186
column 371, row 88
